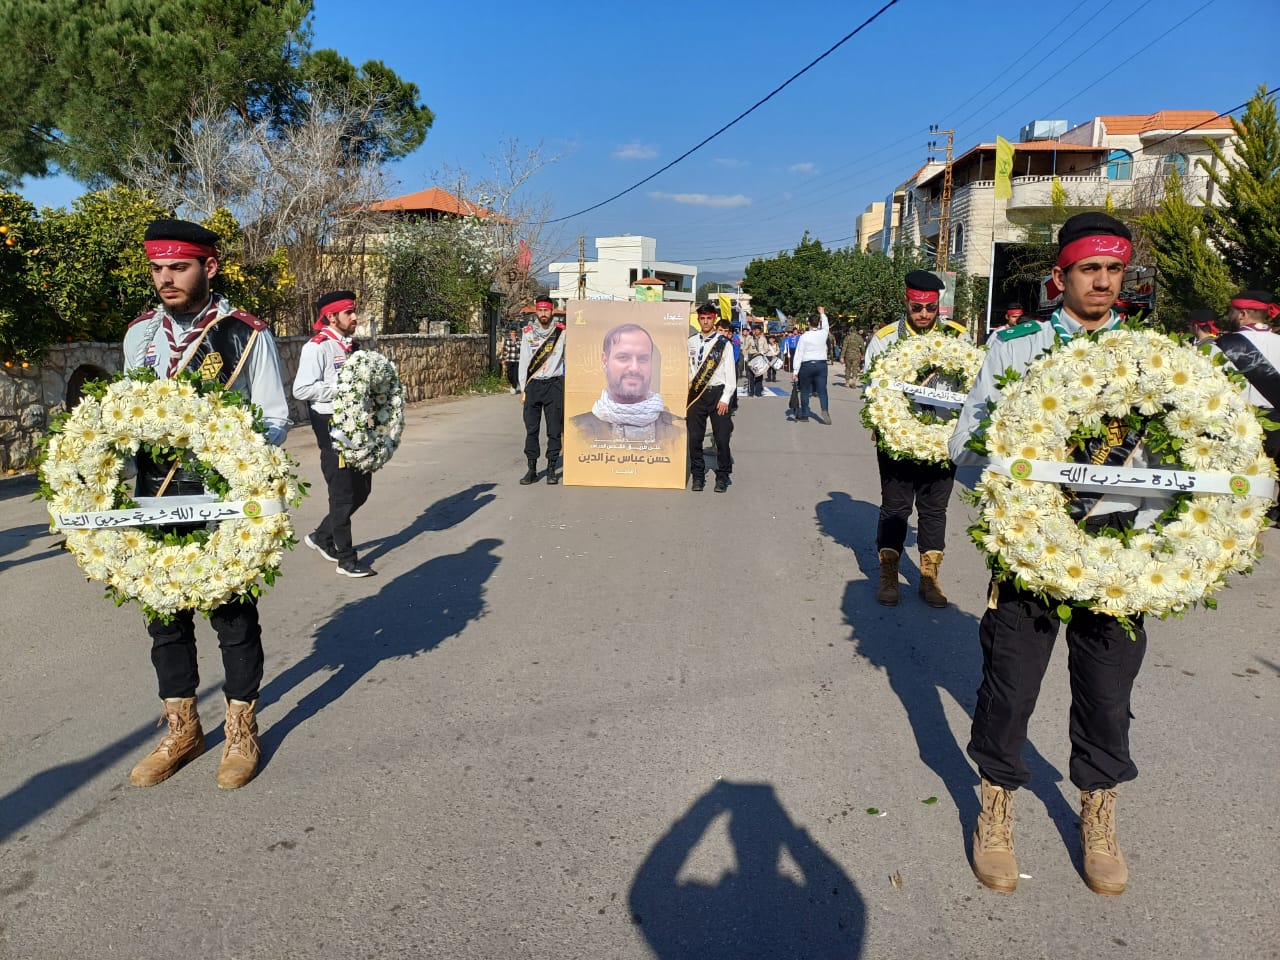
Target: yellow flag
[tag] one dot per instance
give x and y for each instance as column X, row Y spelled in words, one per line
column 1004, row 169
column 726, row 307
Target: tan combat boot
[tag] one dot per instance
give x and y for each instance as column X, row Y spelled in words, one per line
column 993, row 861
column 887, row 592
column 241, row 751
column 1104, row 868
column 183, row 742
column 930, row 562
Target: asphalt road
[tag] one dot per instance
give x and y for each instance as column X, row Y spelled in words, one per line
column 589, row 723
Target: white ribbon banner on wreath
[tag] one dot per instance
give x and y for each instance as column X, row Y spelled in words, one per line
column 935, row 398
column 194, row 509
column 1096, row 479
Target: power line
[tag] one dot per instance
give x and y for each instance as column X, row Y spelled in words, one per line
column 755, row 106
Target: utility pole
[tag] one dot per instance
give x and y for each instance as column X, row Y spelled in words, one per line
column 944, row 212
column 582, row 268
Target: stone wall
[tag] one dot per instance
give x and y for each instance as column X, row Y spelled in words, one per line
column 430, row 366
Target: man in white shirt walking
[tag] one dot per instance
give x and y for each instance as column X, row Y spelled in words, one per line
column 810, row 366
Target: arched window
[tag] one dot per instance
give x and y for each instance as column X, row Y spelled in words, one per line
column 957, row 240
column 1172, row 162
column 1120, row 165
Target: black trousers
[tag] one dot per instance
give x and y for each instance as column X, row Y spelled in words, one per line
column 1017, row 640
column 755, row 383
column 513, row 373
column 909, row 483
column 173, row 651
column 348, row 490
column 704, row 408
column 543, row 399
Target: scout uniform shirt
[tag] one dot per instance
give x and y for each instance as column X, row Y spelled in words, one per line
column 321, row 359
column 724, row 375
column 530, row 340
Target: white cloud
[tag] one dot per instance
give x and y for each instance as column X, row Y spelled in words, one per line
column 729, row 162
column 704, row 199
column 635, row 151
column 802, row 167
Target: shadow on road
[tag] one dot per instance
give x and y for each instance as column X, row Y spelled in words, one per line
column 441, row 515
column 413, row 614
column 17, row 538
column 924, row 653
column 45, row 790
column 755, row 910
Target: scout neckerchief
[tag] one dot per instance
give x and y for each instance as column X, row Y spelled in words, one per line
column 1115, row 449
column 709, row 360
column 543, row 353
column 346, row 343
column 178, row 348
column 1255, row 367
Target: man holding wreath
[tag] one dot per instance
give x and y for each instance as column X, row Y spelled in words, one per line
column 316, row 384
column 197, row 330
column 1018, row 630
column 907, row 483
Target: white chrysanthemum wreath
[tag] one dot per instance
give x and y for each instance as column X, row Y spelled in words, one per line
column 368, row 411
column 224, row 548
column 1201, row 435
column 903, row 430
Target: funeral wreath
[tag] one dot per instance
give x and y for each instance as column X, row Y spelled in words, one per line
column 368, row 411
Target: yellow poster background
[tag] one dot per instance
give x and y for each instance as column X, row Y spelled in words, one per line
column 597, row 454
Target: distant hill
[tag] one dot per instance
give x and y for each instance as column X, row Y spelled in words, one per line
column 718, row 276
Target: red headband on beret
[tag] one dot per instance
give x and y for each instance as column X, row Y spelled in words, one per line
column 337, row 306
column 922, row 296
column 177, row 250
column 1273, row 309
column 1097, row 245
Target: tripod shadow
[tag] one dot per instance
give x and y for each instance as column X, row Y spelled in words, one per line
column 924, row 654
column 755, row 910
column 410, row 616
column 441, row 515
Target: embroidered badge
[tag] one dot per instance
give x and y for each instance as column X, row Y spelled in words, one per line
column 149, row 360
column 210, row 366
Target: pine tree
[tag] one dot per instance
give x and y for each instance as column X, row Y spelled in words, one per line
column 1191, row 274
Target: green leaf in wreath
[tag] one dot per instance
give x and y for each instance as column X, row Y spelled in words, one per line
column 1064, row 612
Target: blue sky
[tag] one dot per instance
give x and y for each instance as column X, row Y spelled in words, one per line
column 617, row 91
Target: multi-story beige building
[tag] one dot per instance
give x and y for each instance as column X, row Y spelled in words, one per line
column 1120, row 160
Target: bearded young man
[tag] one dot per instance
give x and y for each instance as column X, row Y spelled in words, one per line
column 1018, row 630
column 628, row 410
column 541, row 388
column 197, row 330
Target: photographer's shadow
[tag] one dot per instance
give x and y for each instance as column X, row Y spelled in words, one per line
column 755, row 910
column 411, row 615
column 925, row 653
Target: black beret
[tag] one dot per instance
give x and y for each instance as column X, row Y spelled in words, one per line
column 334, row 297
column 1260, row 295
column 923, row 280
column 183, row 230
column 705, row 308
column 1201, row 317
column 1091, row 224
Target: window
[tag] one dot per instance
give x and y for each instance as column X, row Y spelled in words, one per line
column 957, row 240
column 1120, row 165
column 1174, row 162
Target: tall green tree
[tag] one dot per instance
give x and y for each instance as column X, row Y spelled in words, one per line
column 1245, row 225
column 83, row 85
column 1191, row 274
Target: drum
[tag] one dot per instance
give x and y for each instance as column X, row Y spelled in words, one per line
column 759, row 364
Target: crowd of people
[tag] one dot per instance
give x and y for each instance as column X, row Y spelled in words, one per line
column 193, row 326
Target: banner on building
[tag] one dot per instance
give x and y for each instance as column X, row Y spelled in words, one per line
column 626, row 383
column 1004, row 169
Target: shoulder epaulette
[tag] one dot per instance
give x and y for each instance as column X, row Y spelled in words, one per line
column 559, row 324
column 957, row 327
column 528, row 329
column 319, row 338
column 1021, row 330
column 887, row 329
column 146, row 316
column 248, row 318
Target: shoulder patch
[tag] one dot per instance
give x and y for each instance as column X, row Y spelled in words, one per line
column 528, row 329
column 1021, row 330
column 560, row 325
column 319, row 338
column 146, row 316
column 887, row 329
column 248, row 318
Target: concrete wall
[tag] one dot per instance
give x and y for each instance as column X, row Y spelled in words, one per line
column 430, row 366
